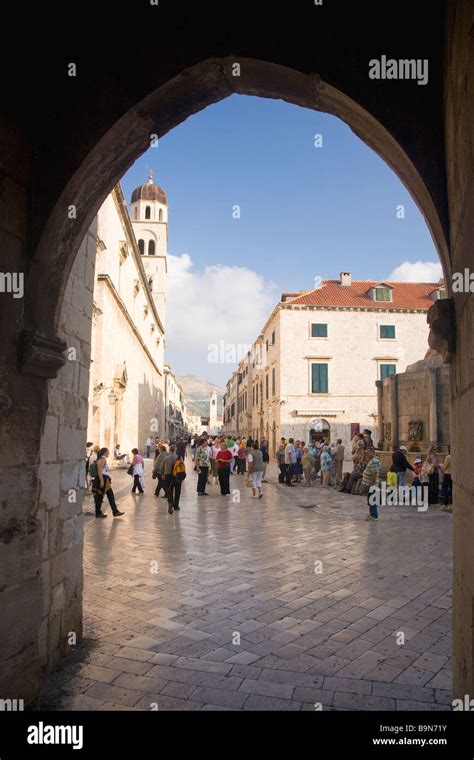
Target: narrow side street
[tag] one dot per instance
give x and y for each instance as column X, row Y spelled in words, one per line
column 235, row 614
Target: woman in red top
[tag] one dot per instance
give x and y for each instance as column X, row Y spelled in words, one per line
column 224, row 458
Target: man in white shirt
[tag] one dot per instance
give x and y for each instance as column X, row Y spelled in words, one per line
column 235, row 453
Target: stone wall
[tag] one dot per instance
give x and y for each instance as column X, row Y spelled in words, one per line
column 62, row 468
column 413, row 399
column 459, row 136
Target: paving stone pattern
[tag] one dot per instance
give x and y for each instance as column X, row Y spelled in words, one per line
column 223, row 606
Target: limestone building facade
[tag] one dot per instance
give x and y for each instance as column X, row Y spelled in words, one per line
column 175, row 406
column 312, row 371
column 127, row 381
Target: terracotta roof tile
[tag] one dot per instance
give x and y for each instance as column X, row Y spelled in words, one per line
column 406, row 295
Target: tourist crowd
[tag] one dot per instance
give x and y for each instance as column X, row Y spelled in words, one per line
column 216, row 459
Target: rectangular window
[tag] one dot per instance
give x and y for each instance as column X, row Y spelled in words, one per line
column 256, row 394
column 273, row 338
column 387, row 369
column 267, row 345
column 383, row 294
column 273, row 383
column 319, row 331
column 387, row 332
column 266, row 387
column 319, row 378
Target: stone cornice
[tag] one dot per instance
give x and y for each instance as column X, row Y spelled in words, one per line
column 107, row 280
column 41, row 355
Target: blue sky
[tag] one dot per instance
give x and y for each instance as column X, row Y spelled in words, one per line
column 305, row 211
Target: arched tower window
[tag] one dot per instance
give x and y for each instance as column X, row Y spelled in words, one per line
column 161, row 215
column 148, row 212
column 150, row 284
column 151, row 248
column 141, row 247
column 136, row 213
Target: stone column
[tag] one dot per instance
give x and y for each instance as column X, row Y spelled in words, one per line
column 394, row 411
column 433, row 409
column 380, row 434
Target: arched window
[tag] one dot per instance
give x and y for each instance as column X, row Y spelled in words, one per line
column 161, row 215
column 150, row 283
column 136, row 213
column 151, row 248
column 141, row 247
column 148, row 212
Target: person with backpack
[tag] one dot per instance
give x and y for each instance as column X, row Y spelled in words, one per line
column 102, row 485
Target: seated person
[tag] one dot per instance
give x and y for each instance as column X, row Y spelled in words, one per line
column 119, row 457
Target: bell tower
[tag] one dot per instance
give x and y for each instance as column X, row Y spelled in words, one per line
column 149, row 217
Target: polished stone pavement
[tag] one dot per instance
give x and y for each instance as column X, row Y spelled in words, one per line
column 291, row 602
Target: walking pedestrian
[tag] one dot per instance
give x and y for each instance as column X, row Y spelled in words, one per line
column 158, row 471
column 280, row 458
column 170, row 481
column 203, row 463
column 235, row 453
column 102, row 485
column 224, row 461
column 370, row 481
column 138, row 470
column 92, row 458
column 242, row 458
column 430, row 475
column 307, row 463
column 149, row 446
column 215, row 449
column 266, row 458
column 256, row 468
column 339, row 453
column 290, row 461
column 326, row 466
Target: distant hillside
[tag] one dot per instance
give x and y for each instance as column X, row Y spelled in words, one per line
column 198, row 392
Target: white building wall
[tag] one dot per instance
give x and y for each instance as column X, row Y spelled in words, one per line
column 126, row 333
column 354, row 352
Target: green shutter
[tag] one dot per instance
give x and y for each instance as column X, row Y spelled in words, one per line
column 320, row 378
column 387, row 331
column 386, row 370
column 319, row 331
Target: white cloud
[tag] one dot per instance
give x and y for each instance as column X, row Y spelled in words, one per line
column 204, row 307
column 417, row 271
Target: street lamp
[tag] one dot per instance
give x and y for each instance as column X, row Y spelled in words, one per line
column 112, row 397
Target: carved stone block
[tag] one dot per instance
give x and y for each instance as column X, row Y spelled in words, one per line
column 41, row 355
column 442, row 321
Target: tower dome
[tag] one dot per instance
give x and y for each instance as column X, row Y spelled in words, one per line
column 149, row 192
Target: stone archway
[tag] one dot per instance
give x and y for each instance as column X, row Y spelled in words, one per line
column 41, row 346
column 194, row 89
